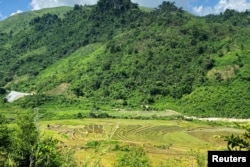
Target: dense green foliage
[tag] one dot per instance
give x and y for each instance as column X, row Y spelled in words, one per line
column 239, row 142
column 24, row 145
column 115, row 54
column 135, row 157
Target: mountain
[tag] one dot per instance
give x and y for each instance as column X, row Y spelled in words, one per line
column 116, row 55
column 21, row 21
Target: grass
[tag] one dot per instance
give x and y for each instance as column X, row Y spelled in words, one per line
column 226, row 72
column 164, row 140
column 146, row 9
column 227, row 59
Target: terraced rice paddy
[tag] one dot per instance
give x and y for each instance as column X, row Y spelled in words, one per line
column 163, row 140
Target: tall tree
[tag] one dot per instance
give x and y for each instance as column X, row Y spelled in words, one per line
column 26, row 147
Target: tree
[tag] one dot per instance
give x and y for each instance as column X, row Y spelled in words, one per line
column 167, row 7
column 27, row 140
column 239, row 142
column 77, row 7
column 24, row 146
column 5, row 134
column 135, row 157
column 115, row 6
column 2, row 91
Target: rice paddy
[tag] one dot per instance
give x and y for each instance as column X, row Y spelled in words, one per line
column 165, row 141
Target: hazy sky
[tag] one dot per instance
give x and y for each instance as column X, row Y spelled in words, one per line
column 197, row 7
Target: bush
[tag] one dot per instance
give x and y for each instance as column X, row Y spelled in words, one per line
column 93, row 144
column 239, row 142
column 25, row 146
column 2, row 91
column 136, row 157
column 99, row 115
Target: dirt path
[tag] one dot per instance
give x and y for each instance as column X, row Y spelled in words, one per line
column 218, row 119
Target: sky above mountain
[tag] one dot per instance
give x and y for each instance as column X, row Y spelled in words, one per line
column 197, row 7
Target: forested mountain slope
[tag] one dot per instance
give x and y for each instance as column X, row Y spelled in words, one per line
column 117, row 55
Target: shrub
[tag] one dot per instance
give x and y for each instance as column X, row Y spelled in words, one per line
column 136, row 157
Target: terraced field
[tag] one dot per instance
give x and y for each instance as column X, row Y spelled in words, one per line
column 164, row 141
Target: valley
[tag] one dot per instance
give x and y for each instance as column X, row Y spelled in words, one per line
column 117, row 84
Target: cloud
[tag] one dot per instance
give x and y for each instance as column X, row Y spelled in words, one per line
column 202, row 11
column 205, row 9
column 221, row 6
column 40, row 4
column 17, row 12
column 156, row 3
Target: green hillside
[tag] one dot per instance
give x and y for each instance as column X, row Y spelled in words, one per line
column 21, row 21
column 110, row 56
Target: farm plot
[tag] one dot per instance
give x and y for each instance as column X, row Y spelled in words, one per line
column 161, row 139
